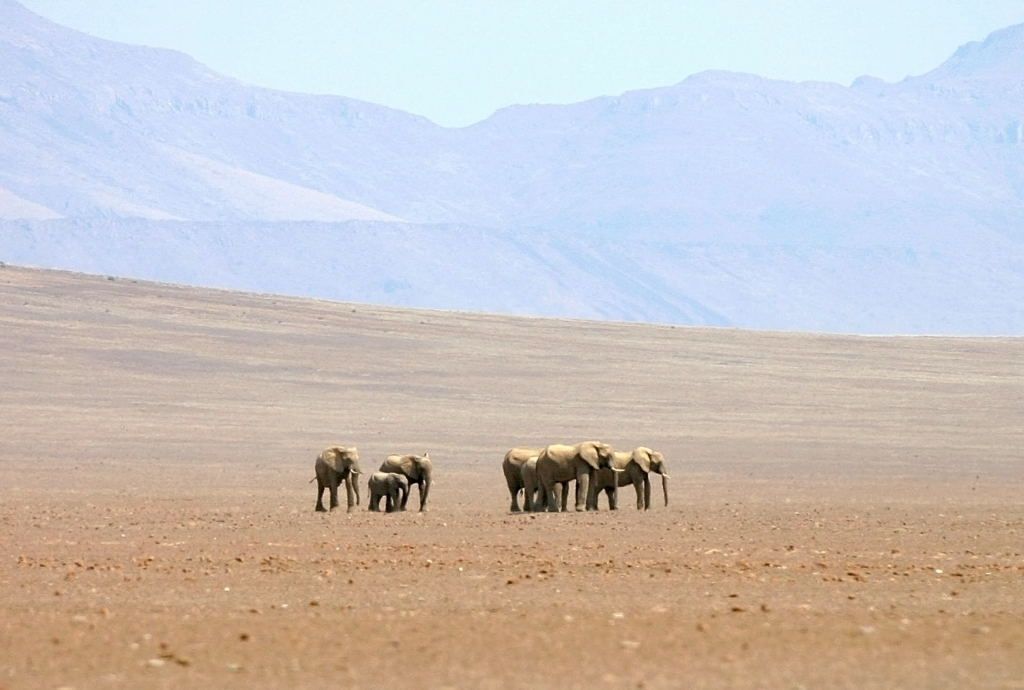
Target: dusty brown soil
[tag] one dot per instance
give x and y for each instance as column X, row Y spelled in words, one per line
column 845, row 512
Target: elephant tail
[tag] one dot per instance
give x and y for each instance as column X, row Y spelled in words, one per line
column 311, row 480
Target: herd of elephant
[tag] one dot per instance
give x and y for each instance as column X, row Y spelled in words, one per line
column 541, row 474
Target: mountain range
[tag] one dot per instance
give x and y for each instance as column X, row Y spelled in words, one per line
column 726, row 199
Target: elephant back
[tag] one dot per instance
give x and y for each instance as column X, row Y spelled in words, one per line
column 413, row 467
column 378, row 479
column 518, row 456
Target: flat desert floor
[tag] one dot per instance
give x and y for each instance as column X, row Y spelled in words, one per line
column 844, row 511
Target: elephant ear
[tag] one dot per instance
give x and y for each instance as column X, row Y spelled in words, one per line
column 588, row 451
column 331, row 456
column 642, row 457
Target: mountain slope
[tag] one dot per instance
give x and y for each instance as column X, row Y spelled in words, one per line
column 724, row 199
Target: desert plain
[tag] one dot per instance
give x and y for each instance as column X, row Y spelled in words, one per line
column 845, row 512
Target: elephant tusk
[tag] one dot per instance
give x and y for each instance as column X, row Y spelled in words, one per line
column 666, row 476
column 617, row 470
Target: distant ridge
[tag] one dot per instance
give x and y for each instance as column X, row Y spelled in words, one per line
column 725, row 198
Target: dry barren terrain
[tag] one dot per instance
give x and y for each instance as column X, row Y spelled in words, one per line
column 845, row 511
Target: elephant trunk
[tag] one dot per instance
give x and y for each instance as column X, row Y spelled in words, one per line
column 355, row 485
column 664, row 487
column 424, row 491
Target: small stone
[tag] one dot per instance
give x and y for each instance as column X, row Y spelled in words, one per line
column 630, row 644
column 155, row 663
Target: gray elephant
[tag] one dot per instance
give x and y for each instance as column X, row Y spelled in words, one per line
column 512, row 467
column 335, row 465
column 418, row 469
column 535, row 497
column 561, row 463
column 635, row 466
column 391, row 486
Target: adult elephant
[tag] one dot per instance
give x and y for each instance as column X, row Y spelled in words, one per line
column 512, row 467
column 333, row 466
column 561, row 463
column 417, row 469
column 636, row 468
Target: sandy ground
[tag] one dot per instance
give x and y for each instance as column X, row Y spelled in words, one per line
column 845, row 512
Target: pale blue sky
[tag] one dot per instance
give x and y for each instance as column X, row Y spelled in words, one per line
column 456, row 62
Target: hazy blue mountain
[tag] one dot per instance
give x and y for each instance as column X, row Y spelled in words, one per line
column 726, row 199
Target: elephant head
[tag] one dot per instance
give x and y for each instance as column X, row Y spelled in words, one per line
column 596, row 454
column 347, row 465
column 653, row 461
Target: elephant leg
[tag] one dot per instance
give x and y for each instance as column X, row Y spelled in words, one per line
column 513, row 491
column 373, row 502
column 531, row 484
column 611, row 498
column 333, row 486
column 639, row 495
column 350, row 494
column 647, row 492
column 389, row 503
column 583, row 490
column 424, row 492
column 536, row 499
column 554, row 496
column 320, row 496
column 565, row 496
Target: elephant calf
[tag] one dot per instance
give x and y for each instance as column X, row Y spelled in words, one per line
column 535, row 497
column 391, row 486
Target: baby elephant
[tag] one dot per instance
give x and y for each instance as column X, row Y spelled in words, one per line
column 391, row 486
